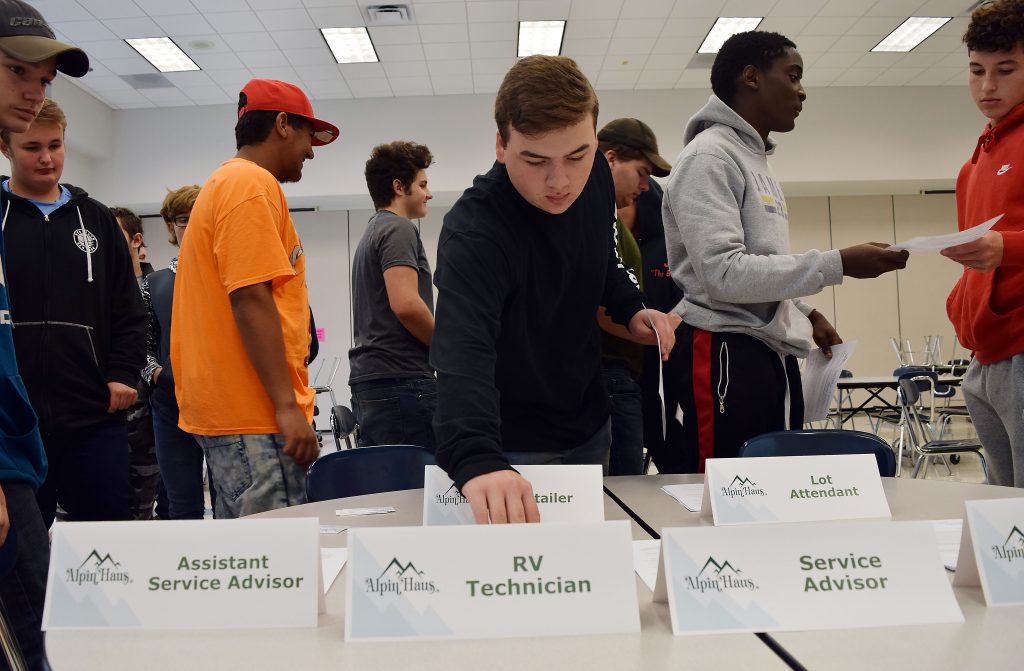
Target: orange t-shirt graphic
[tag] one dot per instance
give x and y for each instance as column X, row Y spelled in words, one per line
column 240, row 233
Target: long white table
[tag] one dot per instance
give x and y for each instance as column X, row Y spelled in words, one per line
column 655, row 648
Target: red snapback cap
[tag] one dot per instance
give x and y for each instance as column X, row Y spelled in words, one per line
column 272, row 95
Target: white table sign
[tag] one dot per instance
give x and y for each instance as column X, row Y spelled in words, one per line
column 992, row 550
column 562, row 493
column 196, row 574
column 490, row 581
column 803, row 577
column 794, row 489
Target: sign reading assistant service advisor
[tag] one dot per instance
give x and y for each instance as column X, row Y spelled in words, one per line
column 183, row 575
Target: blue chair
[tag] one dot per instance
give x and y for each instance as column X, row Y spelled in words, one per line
column 367, row 470
column 822, row 441
column 8, row 644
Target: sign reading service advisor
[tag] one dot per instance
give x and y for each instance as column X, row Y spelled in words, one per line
column 562, row 493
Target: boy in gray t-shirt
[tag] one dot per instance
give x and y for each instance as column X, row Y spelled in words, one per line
column 394, row 393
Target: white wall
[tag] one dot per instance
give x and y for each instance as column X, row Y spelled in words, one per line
column 848, row 141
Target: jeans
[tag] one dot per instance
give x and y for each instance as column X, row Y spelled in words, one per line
column 396, row 411
column 251, row 474
column 594, row 450
column 626, row 404
column 181, row 461
column 89, row 474
column 23, row 589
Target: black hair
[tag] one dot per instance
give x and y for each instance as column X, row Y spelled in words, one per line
column 755, row 47
column 396, row 160
column 996, row 26
column 254, row 127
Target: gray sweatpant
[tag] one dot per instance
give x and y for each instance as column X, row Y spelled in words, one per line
column 995, row 398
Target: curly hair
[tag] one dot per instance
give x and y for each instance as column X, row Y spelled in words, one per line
column 996, row 26
column 396, row 160
column 755, row 47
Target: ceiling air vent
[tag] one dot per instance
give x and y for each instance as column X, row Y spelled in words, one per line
column 388, row 15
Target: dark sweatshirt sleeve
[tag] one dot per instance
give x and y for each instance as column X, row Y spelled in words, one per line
column 622, row 297
column 127, row 354
column 472, row 278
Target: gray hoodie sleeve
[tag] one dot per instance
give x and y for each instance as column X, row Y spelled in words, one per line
column 706, row 206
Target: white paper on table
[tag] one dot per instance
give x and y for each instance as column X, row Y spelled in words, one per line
column 332, row 560
column 820, row 377
column 947, row 533
column 352, row 512
column 937, row 242
column 690, row 496
column 646, row 555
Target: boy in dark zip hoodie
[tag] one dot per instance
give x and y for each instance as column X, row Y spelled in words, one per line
column 79, row 323
column 30, row 58
column 727, row 233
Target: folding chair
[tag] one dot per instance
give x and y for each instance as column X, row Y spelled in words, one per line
column 343, row 425
column 367, row 470
column 822, row 441
column 920, row 434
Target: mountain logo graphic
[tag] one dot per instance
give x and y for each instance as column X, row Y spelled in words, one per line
column 739, row 481
column 451, row 497
column 400, row 569
column 1015, row 539
column 718, row 568
column 100, row 562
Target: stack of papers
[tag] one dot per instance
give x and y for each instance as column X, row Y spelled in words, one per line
column 690, row 496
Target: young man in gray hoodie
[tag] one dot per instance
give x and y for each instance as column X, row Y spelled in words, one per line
column 727, row 230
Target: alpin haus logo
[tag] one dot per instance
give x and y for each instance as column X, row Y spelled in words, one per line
column 398, row 578
column 718, row 576
column 97, row 569
column 740, row 487
column 451, row 497
column 1012, row 548
column 85, row 240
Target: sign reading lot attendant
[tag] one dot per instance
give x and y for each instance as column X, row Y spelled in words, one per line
column 794, row 489
column 992, row 550
column 489, row 581
column 201, row 574
column 803, row 576
column 562, row 493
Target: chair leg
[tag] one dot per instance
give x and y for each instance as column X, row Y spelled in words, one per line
column 917, row 465
column 984, row 466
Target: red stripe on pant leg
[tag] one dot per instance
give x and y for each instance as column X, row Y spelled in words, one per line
column 702, row 397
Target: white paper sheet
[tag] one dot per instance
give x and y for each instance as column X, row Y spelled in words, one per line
column 689, row 496
column 645, row 561
column 937, row 242
column 353, row 512
column 819, row 379
column 947, row 533
column 332, row 560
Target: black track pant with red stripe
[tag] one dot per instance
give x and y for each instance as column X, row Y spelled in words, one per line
column 729, row 388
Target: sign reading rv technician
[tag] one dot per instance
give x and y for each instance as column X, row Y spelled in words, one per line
column 184, row 574
column 793, row 489
column 562, row 494
column 486, row 581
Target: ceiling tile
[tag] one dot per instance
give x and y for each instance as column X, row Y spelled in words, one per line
column 637, row 28
column 657, row 79
column 828, row 25
column 183, row 24
column 436, row 52
column 84, row 31
column 353, row 71
column 441, row 34
column 937, row 76
column 206, row 6
column 875, row 26
column 481, row 12
column 411, row 86
column 878, row 60
column 590, row 65
column 185, row 80
column 897, row 76
column 493, row 49
column 335, row 17
column 487, row 83
column 579, row 30
column 494, row 30
column 112, row 9
column 369, row 88
column 617, row 80
column 203, row 44
column 846, row 7
column 284, row 74
column 106, row 83
column 747, row 8
column 256, row 41
column 104, row 49
column 395, row 35
column 218, row 61
column 491, row 66
column 860, row 44
column 623, row 63
column 400, row 52
column 706, row 8
column 135, row 65
column 595, row 9
column 285, row 19
column 330, row 90
column 440, row 12
column 820, row 43
column 821, row 77
column 786, row 25
column 796, row 8
column 66, row 10
column 264, row 58
column 647, row 9
column 121, row 98
column 451, row 85
column 275, row 4
column 543, row 10
column 231, row 80
column 302, row 58
column 297, row 39
column 858, row 76
column 138, row 27
column 593, row 47
column 166, row 7
column 902, row 8
column 631, row 45
column 695, row 79
column 320, row 72
column 409, row 69
column 235, row 22
column 450, row 68
column 833, row 60
column 208, row 95
column 943, row 7
column 687, row 27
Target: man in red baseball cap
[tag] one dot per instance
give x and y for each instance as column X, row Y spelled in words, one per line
column 240, row 317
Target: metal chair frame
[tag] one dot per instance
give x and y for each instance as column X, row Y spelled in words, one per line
column 919, row 431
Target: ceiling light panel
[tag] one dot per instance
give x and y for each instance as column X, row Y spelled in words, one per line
column 162, row 53
column 724, row 28
column 350, row 45
column 540, row 37
column 911, row 33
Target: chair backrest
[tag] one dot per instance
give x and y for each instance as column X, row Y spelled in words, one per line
column 367, row 470
column 909, row 397
column 822, row 441
column 342, row 421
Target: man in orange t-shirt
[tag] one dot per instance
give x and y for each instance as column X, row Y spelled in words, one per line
column 240, row 316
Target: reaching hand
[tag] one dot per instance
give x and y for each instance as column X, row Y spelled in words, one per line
column 871, row 260
column 501, row 497
column 984, row 254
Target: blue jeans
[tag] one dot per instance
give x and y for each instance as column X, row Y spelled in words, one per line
column 594, row 450
column 181, row 461
column 251, row 474
column 395, row 411
column 626, row 404
column 23, row 589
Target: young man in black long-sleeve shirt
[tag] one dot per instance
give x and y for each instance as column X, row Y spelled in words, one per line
column 526, row 257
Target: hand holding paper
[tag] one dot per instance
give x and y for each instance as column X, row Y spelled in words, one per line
column 984, row 254
column 871, row 260
column 937, row 242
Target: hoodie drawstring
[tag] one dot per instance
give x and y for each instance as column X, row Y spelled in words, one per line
column 85, row 243
column 7, row 210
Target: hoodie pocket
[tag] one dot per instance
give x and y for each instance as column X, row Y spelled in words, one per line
column 17, row 418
